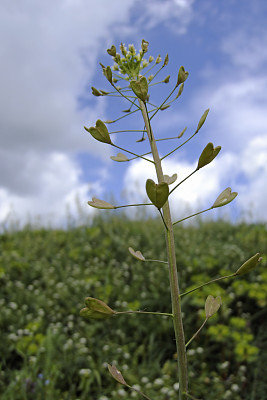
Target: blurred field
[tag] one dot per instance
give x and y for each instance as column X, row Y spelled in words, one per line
column 49, row 352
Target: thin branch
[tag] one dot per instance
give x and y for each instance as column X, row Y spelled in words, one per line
column 193, row 215
column 175, row 187
column 197, row 332
column 208, row 283
column 134, row 154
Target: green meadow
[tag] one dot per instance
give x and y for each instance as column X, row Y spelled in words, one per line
column 49, row 352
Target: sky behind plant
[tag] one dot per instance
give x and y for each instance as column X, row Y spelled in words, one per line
column 50, row 54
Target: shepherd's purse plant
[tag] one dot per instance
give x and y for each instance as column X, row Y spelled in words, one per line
column 137, row 75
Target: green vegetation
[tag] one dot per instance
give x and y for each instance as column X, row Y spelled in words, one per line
column 49, row 352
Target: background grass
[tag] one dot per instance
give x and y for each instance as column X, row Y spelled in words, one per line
column 49, row 352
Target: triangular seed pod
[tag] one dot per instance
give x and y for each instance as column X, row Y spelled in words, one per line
column 120, row 157
column 99, row 132
column 212, row 305
column 96, row 309
column 136, row 254
column 170, row 179
column 224, row 198
column 248, row 265
column 207, row 155
column 112, row 51
column 96, row 92
column 140, row 88
column 116, row 374
column 182, row 75
column 101, row 204
column 157, row 193
column 180, row 91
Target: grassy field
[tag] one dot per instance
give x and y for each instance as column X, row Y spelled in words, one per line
column 49, row 352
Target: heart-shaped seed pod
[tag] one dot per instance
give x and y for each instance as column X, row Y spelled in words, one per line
column 157, row 192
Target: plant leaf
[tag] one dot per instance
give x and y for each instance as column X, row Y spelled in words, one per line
column 212, row 305
column 116, row 374
column 99, row 132
column 101, row 204
column 120, row 157
column 140, row 88
column 170, row 179
column 207, row 155
column 157, row 192
column 224, row 198
column 248, row 265
column 96, row 309
column 136, row 254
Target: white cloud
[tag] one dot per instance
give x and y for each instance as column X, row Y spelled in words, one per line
column 48, row 57
column 245, row 172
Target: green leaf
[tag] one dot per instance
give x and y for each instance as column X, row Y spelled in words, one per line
column 157, row 192
column 170, row 179
column 136, row 254
column 248, row 265
column 140, row 88
column 212, row 305
column 207, row 155
column 224, row 198
column 202, row 119
column 182, row 75
column 116, row 374
column 101, row 204
column 96, row 309
column 120, row 157
column 99, row 132
column 112, row 51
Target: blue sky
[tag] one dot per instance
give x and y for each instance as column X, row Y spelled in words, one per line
column 50, row 54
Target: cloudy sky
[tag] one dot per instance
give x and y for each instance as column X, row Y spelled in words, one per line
column 50, row 53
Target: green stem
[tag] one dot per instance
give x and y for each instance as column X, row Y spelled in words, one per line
column 134, row 205
column 208, row 283
column 193, row 215
column 173, row 275
column 175, row 187
column 197, row 332
column 130, row 152
column 144, row 312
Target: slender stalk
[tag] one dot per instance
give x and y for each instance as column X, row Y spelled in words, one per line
column 173, row 275
column 197, row 332
column 144, row 312
column 193, row 215
column 208, row 283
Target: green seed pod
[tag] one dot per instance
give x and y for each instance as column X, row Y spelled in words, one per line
column 248, row 265
column 157, row 193
column 224, row 198
column 120, row 157
column 112, row 51
column 136, row 254
column 202, row 119
column 182, row 75
column 116, row 374
column 207, row 155
column 166, row 60
column 212, row 305
column 101, row 204
column 170, row 179
column 144, row 46
column 96, row 309
column 167, row 79
column 96, row 92
column 99, row 132
column 140, row 88
column 108, row 74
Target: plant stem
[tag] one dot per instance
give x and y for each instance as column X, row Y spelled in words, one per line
column 173, row 275
column 197, row 332
column 144, row 312
column 208, row 283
